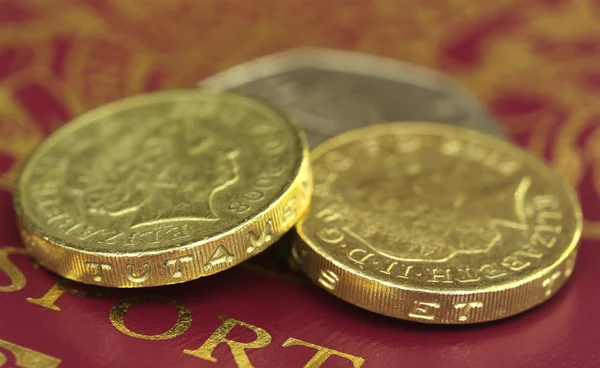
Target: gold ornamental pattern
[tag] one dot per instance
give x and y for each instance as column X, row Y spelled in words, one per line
column 436, row 224
column 56, row 64
column 162, row 188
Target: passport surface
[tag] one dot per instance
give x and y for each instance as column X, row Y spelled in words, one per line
column 536, row 65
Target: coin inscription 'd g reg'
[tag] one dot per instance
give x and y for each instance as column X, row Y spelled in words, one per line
column 436, row 224
column 162, row 188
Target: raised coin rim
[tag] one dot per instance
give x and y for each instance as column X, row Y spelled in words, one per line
column 364, row 282
column 349, row 62
column 299, row 186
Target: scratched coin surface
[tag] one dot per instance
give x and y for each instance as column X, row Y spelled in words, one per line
column 329, row 91
column 162, row 188
column 437, row 224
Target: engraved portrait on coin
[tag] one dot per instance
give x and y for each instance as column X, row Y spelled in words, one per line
column 330, row 91
column 166, row 187
column 436, row 223
column 428, row 216
column 144, row 171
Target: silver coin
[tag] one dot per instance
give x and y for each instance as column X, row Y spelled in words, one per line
column 330, row 91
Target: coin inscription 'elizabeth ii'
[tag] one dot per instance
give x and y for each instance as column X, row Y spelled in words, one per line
column 162, row 188
column 436, row 224
column 330, row 91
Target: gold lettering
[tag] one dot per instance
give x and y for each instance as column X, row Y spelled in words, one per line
column 86, row 232
column 330, row 235
column 466, row 275
column 440, row 275
column 183, row 323
column 62, row 286
column 176, row 264
column 371, row 147
column 98, row 269
column 328, row 279
column 143, row 237
column 358, row 252
column 423, row 310
column 388, row 270
column 464, row 309
column 528, row 250
column 265, row 237
column 232, row 115
column 329, row 214
column 491, row 271
column 69, row 225
column 289, row 211
column 45, row 189
column 405, row 274
column 492, row 161
column 177, row 233
column 544, row 217
column 27, row 358
column 52, row 211
column 17, row 279
column 337, row 161
column 112, row 239
column 48, row 300
column 306, row 189
column 539, row 239
column 404, row 268
column 549, row 282
column 476, row 152
column 509, row 167
column 238, row 349
column 133, row 277
column 408, row 144
column 570, row 264
column 29, row 241
column 544, row 202
column 274, row 146
column 547, row 228
column 322, row 354
column 60, row 216
column 221, row 255
column 514, row 263
column 451, row 148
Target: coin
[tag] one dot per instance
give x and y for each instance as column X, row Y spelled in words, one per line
column 162, row 188
column 436, row 224
column 330, row 91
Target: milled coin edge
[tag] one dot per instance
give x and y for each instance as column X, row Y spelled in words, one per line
column 371, row 286
column 41, row 245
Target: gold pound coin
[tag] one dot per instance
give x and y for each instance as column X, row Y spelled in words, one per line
column 436, row 224
column 162, row 188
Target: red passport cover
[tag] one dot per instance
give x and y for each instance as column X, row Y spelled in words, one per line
column 535, row 63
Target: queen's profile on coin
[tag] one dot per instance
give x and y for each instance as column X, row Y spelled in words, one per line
column 409, row 214
column 163, row 188
column 170, row 173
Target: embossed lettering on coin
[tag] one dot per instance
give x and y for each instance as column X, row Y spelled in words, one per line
column 144, row 186
column 441, row 217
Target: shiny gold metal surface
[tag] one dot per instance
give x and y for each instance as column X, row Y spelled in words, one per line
column 436, row 224
column 162, row 188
